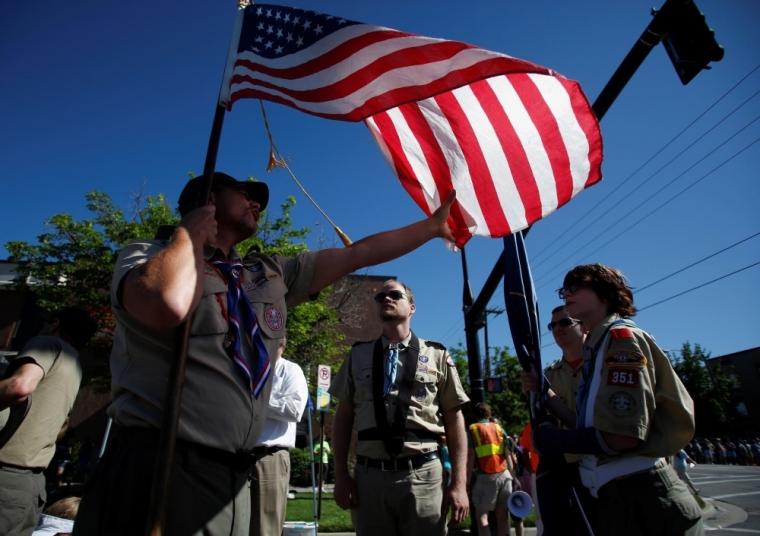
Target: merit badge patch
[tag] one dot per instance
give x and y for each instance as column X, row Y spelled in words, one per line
column 420, row 393
column 424, row 359
column 622, row 403
column 625, row 358
column 623, row 377
column 273, row 317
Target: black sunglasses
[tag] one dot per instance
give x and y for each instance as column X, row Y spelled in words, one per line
column 393, row 294
column 564, row 323
column 571, row 287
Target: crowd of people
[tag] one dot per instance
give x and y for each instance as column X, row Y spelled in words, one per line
column 617, row 410
column 726, row 451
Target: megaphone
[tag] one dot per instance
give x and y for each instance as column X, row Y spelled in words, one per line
column 519, row 504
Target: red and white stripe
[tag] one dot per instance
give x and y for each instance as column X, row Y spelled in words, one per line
column 363, row 69
column 515, row 147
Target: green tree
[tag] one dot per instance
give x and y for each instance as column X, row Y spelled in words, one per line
column 711, row 390
column 73, row 263
column 510, row 406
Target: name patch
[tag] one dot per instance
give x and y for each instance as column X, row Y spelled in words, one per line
column 623, row 377
column 625, row 358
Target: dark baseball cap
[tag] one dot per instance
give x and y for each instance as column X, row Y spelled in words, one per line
column 188, row 199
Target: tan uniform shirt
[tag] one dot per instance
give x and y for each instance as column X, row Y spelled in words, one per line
column 640, row 395
column 565, row 382
column 218, row 408
column 33, row 444
column 436, row 389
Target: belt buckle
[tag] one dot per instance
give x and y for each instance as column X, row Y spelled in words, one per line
column 395, row 465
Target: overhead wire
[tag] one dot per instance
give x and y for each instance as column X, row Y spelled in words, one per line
column 610, row 209
column 611, row 227
column 687, row 127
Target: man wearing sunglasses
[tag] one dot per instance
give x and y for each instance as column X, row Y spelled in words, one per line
column 401, row 393
column 238, row 313
column 564, row 376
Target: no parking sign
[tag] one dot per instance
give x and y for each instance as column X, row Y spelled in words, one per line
column 323, row 384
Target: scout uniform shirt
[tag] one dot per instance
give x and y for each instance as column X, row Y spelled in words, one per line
column 436, row 389
column 564, row 380
column 218, row 408
column 639, row 393
column 33, row 443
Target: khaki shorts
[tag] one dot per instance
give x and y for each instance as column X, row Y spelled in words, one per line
column 491, row 491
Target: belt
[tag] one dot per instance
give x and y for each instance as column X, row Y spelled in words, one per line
column 149, row 437
column 264, row 450
column 398, row 464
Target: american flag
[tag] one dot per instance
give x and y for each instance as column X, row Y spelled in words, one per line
column 515, row 139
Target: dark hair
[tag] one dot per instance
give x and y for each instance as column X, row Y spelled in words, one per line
column 559, row 308
column 482, row 411
column 407, row 290
column 609, row 285
column 76, row 325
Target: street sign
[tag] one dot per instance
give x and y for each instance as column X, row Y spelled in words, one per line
column 323, row 383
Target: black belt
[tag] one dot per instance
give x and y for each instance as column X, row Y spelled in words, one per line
column 264, row 450
column 398, row 464
column 239, row 461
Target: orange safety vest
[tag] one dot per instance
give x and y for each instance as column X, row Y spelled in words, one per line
column 488, row 439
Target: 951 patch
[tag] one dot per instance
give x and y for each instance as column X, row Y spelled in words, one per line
column 625, row 358
column 623, row 377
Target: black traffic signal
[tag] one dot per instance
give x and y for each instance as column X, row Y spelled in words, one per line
column 690, row 42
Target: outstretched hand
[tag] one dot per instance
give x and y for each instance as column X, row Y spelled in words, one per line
column 441, row 216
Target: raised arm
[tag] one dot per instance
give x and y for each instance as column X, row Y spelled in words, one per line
column 162, row 292
column 334, row 263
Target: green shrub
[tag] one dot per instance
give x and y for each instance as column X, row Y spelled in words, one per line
column 300, row 464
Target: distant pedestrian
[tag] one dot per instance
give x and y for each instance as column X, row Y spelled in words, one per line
column 680, row 461
column 323, row 447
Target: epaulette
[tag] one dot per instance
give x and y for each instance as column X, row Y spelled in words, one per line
column 435, row 344
column 357, row 343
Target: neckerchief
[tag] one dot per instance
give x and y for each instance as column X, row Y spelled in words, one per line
column 258, row 372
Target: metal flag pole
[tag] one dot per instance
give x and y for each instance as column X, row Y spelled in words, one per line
column 309, row 406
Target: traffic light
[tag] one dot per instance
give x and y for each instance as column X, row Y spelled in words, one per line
column 690, row 42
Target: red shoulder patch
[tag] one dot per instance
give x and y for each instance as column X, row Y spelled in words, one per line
column 621, row 333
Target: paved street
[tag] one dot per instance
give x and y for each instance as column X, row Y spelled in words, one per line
column 735, row 493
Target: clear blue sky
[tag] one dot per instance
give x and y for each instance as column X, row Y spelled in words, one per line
column 108, row 96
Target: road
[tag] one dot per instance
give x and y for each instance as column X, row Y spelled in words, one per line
column 732, row 489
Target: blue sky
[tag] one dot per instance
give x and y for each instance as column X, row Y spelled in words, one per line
column 108, row 96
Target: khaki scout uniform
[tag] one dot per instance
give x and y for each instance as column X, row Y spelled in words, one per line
column 402, row 501
column 635, row 392
column 30, row 449
column 219, row 414
column 564, row 380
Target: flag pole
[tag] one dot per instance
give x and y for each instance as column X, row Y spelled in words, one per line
column 159, row 502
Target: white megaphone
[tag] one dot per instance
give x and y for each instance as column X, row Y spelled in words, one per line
column 519, row 504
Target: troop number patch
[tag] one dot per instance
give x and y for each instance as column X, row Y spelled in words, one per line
column 273, row 317
column 623, row 377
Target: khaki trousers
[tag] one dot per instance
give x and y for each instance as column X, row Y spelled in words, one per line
column 269, row 493
column 399, row 503
column 22, row 497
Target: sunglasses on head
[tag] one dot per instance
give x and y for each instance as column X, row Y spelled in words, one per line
column 393, row 294
column 570, row 287
column 564, row 323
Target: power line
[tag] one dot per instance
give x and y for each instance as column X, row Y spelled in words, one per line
column 699, row 286
column 650, row 159
column 656, row 193
column 610, row 209
column 695, row 263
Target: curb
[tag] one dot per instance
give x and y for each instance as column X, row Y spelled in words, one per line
column 720, row 515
